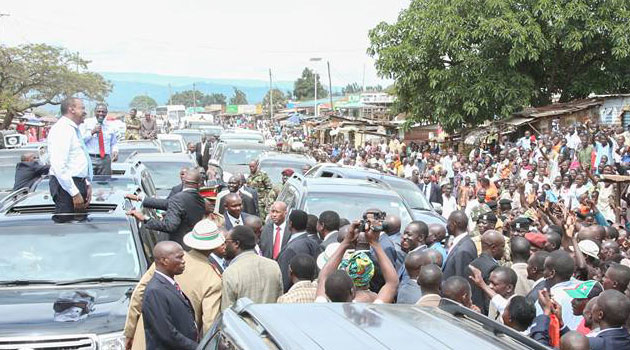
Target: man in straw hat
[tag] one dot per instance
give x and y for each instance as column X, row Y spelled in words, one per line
column 200, row 281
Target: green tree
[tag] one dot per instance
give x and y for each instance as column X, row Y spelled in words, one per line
column 351, row 89
column 34, row 75
column 188, row 98
column 461, row 62
column 304, row 86
column 279, row 100
column 214, row 99
column 143, row 102
column 239, row 97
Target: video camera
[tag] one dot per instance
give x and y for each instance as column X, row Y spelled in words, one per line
column 376, row 222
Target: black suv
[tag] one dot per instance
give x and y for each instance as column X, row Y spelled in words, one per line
column 348, row 197
column 164, row 168
column 358, row 326
column 67, row 285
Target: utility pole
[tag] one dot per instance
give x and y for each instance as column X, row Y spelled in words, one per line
column 270, row 96
column 170, row 93
column 332, row 108
column 315, row 59
column 194, row 99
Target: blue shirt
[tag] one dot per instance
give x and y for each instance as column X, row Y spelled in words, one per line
column 438, row 246
column 408, row 292
column 91, row 141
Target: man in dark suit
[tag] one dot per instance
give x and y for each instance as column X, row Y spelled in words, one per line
column 160, row 203
column 431, row 190
column 299, row 243
column 28, row 170
column 328, row 227
column 235, row 185
column 183, row 210
column 611, row 312
column 275, row 234
column 463, row 251
column 203, row 151
column 492, row 249
column 169, row 318
column 234, row 215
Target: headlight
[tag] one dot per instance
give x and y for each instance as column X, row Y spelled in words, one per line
column 111, row 341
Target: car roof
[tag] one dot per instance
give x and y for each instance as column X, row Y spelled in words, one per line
column 138, row 144
column 296, row 157
column 187, row 131
column 161, row 157
column 359, row 172
column 243, row 144
column 340, row 185
column 376, row 326
column 169, row 137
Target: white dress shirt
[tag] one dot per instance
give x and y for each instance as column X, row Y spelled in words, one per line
column 233, row 219
column 456, row 240
column 68, row 157
column 172, row 281
column 449, row 205
column 91, row 140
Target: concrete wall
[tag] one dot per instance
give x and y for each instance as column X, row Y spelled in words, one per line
column 613, row 109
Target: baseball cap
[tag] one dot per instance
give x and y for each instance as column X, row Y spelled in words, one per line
column 536, row 239
column 585, row 290
column 590, row 248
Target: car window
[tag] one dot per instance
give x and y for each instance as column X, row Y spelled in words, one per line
column 220, row 341
column 274, row 168
column 411, row 193
column 233, row 156
column 147, row 183
column 288, row 196
column 171, row 146
column 163, row 174
column 7, row 176
column 76, row 251
column 351, row 205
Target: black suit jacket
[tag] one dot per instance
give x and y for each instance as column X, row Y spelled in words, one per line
column 26, row 173
column 267, row 236
column 161, row 203
column 169, row 319
column 250, row 205
column 436, row 192
column 485, row 263
column 228, row 223
column 611, row 340
column 202, row 159
column 183, row 211
column 300, row 245
column 459, row 258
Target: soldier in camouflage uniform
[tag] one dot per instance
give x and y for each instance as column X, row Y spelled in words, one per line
column 275, row 191
column 260, row 181
column 133, row 124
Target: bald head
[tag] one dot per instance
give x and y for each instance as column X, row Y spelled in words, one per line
column 165, row 248
column 413, row 263
column 393, row 224
column 28, row 157
column 429, row 279
column 457, row 288
column 255, row 223
column 457, row 223
column 520, row 249
column 437, row 233
column 233, row 204
column 574, row 341
column 169, row 258
column 493, row 243
column 192, row 179
column 612, row 309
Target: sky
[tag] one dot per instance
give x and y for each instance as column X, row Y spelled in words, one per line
column 231, row 39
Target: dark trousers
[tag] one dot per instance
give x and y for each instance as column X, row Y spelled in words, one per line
column 101, row 166
column 63, row 201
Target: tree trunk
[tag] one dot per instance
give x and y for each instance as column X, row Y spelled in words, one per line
column 7, row 119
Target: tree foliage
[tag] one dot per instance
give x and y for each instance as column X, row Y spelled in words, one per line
column 460, row 62
column 34, row 75
column 189, row 97
column 304, row 86
column 143, row 102
column 351, row 89
column 279, row 100
column 239, row 97
column 214, row 99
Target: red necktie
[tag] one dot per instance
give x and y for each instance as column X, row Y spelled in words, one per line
column 101, row 144
column 276, row 243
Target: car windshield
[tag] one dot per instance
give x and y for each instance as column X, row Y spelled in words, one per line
column 274, row 168
column 165, row 174
column 171, row 146
column 123, row 153
column 242, row 137
column 352, row 206
column 64, row 252
column 410, row 192
column 190, row 137
column 240, row 156
column 7, row 176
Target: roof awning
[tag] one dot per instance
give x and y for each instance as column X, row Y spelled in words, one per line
column 516, row 121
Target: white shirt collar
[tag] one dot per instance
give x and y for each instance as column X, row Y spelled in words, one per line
column 296, row 235
column 233, row 219
column 172, row 281
column 282, row 226
column 457, row 239
column 69, row 122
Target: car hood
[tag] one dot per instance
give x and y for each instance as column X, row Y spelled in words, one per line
column 96, row 309
column 429, row 217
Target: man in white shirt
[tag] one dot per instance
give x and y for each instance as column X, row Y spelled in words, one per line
column 449, row 202
column 100, row 141
column 70, row 164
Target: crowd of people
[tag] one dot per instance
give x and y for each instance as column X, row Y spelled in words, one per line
column 535, row 238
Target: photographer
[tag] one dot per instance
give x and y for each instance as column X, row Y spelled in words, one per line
column 351, row 284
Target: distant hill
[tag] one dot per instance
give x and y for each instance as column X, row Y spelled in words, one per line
column 128, row 85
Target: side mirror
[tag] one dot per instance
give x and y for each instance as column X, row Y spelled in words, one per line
column 437, row 207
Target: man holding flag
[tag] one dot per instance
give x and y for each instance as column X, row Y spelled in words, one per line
column 100, row 140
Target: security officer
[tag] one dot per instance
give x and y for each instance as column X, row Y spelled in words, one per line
column 260, row 181
column 133, row 124
column 275, row 191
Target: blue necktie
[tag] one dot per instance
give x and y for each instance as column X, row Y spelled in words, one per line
column 87, row 155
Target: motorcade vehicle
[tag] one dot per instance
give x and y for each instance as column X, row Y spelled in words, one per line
column 12, row 139
column 234, row 156
column 164, row 168
column 332, row 326
column 174, row 114
column 350, row 198
column 8, row 161
column 189, row 135
column 242, row 135
column 68, row 285
column 208, row 130
column 126, row 148
column 273, row 163
column 419, row 204
column 171, row 143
